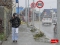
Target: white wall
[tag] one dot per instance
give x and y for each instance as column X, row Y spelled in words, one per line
column 13, row 6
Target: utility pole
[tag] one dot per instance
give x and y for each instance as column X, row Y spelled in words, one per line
column 18, row 6
column 33, row 14
column 26, row 11
column 58, row 21
column 39, row 19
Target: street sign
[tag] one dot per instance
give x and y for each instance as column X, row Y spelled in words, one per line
column 39, row 4
column 33, row 5
column 16, row 1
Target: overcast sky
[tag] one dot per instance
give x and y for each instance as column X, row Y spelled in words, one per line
column 48, row 4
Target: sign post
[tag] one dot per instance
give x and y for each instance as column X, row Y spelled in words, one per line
column 33, row 5
column 58, row 21
column 39, row 5
column 26, row 11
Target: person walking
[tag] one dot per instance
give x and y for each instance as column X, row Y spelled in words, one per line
column 55, row 31
column 15, row 21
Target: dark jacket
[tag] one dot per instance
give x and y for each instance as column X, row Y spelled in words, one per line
column 13, row 21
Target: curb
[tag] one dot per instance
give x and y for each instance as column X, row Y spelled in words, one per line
column 42, row 40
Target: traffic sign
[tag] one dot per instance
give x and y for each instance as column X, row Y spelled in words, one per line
column 39, row 4
column 33, row 5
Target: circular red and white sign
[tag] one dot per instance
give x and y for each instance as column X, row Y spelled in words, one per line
column 39, row 4
column 33, row 5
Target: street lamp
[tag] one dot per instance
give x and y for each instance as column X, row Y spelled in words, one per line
column 26, row 10
column 18, row 6
column 33, row 15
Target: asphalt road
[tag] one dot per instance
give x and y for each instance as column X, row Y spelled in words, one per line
column 46, row 29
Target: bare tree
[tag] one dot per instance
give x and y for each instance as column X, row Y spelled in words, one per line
column 7, row 3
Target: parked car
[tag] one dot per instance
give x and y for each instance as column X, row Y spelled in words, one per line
column 47, row 20
column 54, row 20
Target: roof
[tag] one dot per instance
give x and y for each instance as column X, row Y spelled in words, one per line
column 47, row 12
column 55, row 10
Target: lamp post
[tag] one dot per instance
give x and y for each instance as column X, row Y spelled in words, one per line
column 58, row 21
column 18, row 6
column 33, row 15
column 26, row 11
